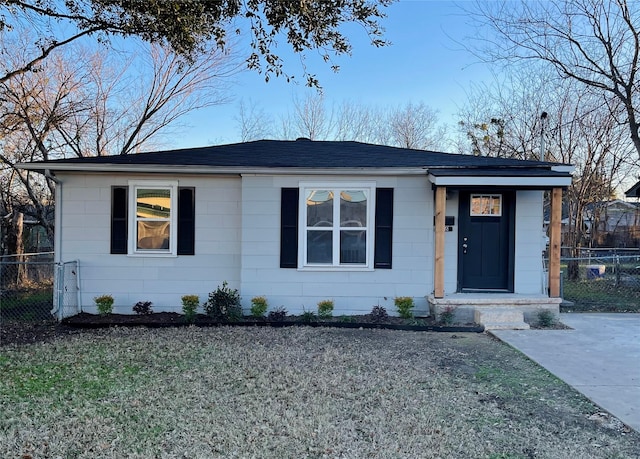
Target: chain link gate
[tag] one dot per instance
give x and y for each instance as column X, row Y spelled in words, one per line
column 67, row 292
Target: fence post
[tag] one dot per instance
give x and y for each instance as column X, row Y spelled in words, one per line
column 616, row 266
column 59, row 283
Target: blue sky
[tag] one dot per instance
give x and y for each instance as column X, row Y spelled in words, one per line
column 423, row 64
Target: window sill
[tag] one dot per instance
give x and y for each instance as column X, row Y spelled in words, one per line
column 341, row 268
column 152, row 255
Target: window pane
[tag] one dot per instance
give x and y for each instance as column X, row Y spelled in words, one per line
column 320, row 247
column 495, row 206
column 319, row 208
column 353, row 247
column 153, row 235
column 353, row 208
column 153, row 203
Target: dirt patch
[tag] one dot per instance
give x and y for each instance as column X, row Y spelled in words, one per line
column 29, row 333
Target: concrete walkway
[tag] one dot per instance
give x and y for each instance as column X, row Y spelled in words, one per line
column 600, row 358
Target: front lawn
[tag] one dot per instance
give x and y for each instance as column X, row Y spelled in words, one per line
column 297, row 392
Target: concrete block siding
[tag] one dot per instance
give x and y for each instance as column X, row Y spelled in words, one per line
column 353, row 292
column 238, row 240
column 85, row 236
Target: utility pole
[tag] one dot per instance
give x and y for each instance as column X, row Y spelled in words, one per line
column 543, row 122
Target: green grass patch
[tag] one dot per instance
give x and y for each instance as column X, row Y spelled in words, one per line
column 27, row 305
column 601, row 295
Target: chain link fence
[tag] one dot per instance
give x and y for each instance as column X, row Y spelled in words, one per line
column 26, row 288
column 35, row 289
column 597, row 280
column 602, row 280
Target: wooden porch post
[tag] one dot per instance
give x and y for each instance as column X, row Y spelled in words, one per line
column 441, row 201
column 555, row 242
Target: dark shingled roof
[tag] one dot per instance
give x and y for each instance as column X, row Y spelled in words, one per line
column 634, row 191
column 303, row 153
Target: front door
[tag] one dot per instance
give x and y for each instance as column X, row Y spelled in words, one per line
column 486, row 241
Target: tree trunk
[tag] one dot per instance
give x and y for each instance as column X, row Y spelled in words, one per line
column 18, row 275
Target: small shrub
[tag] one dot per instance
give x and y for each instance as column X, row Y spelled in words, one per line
column 258, row 306
column 143, row 307
column 378, row 314
column 346, row 319
column 308, row 317
column 224, row 304
column 104, row 304
column 546, row 318
column 277, row 315
column 447, row 315
column 325, row 309
column 404, row 305
column 190, row 306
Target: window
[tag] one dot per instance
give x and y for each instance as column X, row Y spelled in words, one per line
column 162, row 221
column 336, row 226
column 486, row 205
column 154, row 219
column 330, row 231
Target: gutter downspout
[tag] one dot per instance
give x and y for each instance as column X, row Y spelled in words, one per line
column 57, row 244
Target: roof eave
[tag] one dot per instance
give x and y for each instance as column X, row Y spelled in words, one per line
column 216, row 170
column 506, row 180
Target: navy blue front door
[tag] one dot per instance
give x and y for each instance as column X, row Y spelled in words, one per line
column 485, row 241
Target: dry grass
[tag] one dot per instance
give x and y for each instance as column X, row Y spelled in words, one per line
column 290, row 393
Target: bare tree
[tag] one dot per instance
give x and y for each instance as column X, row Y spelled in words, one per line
column 362, row 123
column 595, row 43
column 504, row 120
column 407, row 126
column 87, row 104
column 310, row 117
column 253, row 122
column 415, row 126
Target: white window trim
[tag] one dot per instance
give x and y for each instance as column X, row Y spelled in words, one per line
column 173, row 222
column 370, row 188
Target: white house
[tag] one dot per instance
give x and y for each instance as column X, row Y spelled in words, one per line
column 302, row 221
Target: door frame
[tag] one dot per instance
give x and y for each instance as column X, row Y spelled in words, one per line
column 509, row 205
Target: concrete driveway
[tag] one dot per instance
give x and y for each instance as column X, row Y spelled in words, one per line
column 600, row 358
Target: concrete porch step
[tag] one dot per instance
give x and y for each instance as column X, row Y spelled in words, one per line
column 500, row 318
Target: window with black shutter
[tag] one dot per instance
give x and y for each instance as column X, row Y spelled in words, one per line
column 151, row 220
column 335, row 232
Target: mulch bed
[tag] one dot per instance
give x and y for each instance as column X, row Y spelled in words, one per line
column 173, row 319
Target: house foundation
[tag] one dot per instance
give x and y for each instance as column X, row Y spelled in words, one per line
column 494, row 310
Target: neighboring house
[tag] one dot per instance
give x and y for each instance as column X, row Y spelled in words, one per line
column 634, row 191
column 302, row 221
column 613, row 223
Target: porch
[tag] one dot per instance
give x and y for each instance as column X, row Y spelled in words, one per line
column 494, row 310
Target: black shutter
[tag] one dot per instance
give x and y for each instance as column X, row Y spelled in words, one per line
column 119, row 230
column 289, row 228
column 384, row 228
column 186, row 221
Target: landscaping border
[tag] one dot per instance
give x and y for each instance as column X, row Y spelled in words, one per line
column 91, row 321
